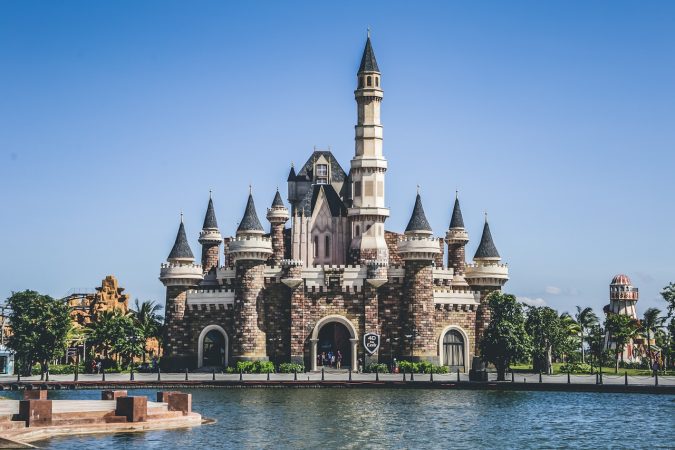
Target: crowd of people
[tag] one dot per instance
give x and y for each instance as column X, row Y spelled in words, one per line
column 330, row 359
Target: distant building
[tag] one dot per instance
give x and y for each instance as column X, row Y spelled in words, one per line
column 86, row 303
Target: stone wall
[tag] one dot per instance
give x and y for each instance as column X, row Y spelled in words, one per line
column 210, row 256
column 249, row 341
column 419, row 310
column 457, row 258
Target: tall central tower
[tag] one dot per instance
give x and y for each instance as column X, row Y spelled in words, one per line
column 368, row 167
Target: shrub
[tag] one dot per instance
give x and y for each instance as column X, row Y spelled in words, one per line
column 575, row 368
column 291, row 368
column 253, row 367
column 421, row 367
column 381, row 368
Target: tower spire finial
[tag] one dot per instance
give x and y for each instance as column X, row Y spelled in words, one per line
column 456, row 194
column 209, row 194
column 485, row 212
column 181, row 216
column 368, row 29
column 250, row 189
column 418, row 189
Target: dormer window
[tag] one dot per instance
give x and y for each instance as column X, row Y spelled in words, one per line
column 322, row 173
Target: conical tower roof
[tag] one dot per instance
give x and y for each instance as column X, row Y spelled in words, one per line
column 210, row 221
column 181, row 248
column 457, row 221
column 277, row 202
column 291, row 174
column 368, row 61
column 486, row 248
column 250, row 221
column 418, row 221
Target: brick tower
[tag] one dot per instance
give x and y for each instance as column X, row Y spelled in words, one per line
column 210, row 239
column 277, row 216
column 368, row 167
column 249, row 252
column 456, row 237
column 178, row 274
column 418, row 249
column 485, row 275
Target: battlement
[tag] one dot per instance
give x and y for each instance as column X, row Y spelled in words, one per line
column 210, row 297
column 487, row 274
column 210, row 235
column 252, row 247
column 418, row 247
column 177, row 274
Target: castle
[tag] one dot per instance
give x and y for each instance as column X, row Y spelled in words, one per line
column 335, row 275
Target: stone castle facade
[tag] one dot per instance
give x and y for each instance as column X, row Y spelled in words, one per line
column 293, row 293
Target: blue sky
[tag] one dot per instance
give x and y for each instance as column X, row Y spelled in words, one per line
column 555, row 117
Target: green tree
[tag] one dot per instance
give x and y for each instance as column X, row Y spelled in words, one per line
column 668, row 294
column 651, row 321
column 114, row 333
column 547, row 332
column 149, row 321
column 40, row 327
column 596, row 346
column 621, row 329
column 505, row 339
column 586, row 319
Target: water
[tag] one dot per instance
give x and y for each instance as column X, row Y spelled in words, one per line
column 360, row 418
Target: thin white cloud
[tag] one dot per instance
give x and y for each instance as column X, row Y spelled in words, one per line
column 532, row 301
column 553, row 290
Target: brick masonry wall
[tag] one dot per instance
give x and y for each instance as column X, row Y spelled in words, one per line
column 392, row 238
column 249, row 341
column 455, row 315
column 419, row 310
column 457, row 258
column 210, row 257
column 177, row 337
column 278, row 243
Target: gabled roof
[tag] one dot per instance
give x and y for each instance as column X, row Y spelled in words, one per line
column 486, row 248
column 308, row 203
column 418, row 220
column 250, row 221
column 306, row 173
column 368, row 61
column 457, row 221
column 277, row 200
column 210, row 218
column 181, row 248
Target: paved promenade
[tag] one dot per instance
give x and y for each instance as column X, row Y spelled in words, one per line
column 336, row 376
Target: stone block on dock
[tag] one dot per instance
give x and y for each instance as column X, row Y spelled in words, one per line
column 179, row 401
column 36, row 413
column 113, row 395
column 163, row 396
column 35, row 394
column 135, row 409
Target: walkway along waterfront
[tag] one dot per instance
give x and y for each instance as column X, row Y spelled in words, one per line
column 344, row 379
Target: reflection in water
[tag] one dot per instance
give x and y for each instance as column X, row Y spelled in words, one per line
column 356, row 418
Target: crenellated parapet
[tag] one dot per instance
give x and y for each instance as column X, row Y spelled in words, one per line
column 487, row 273
column 176, row 274
column 418, row 248
column 250, row 247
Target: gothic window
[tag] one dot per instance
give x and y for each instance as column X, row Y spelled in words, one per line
column 316, row 246
column 369, row 81
column 357, row 189
column 322, row 173
column 327, row 247
column 377, row 81
column 358, row 230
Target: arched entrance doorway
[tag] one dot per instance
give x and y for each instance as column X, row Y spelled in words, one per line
column 453, row 349
column 213, row 347
column 334, row 335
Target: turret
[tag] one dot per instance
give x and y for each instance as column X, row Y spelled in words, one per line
column 456, row 238
column 179, row 275
column 368, row 212
column 249, row 250
column 418, row 249
column 277, row 216
column 210, row 239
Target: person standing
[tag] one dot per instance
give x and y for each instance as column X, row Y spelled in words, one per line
column 339, row 359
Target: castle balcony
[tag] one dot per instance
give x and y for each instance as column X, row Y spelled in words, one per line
column 174, row 274
column 443, row 276
column 348, row 277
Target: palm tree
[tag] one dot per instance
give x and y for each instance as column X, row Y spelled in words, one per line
column 586, row 319
column 148, row 320
column 651, row 322
column 571, row 330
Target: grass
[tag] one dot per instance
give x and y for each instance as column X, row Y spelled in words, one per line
column 608, row 370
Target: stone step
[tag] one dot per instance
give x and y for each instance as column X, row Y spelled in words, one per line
column 164, row 415
column 13, row 425
column 115, row 419
column 76, row 421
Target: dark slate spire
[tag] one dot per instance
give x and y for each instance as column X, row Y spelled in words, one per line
column 486, row 248
column 418, row 221
column 250, row 221
column 368, row 61
column 457, row 220
column 181, row 248
column 277, row 200
column 291, row 174
column 210, row 218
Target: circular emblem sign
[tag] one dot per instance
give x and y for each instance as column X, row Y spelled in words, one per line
column 371, row 342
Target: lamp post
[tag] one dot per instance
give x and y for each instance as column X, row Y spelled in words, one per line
column 134, row 340
column 411, row 337
column 391, row 342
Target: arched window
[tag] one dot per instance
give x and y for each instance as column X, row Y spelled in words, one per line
column 369, row 80
column 326, row 248
column 358, row 230
column 453, row 349
column 377, row 81
column 316, row 246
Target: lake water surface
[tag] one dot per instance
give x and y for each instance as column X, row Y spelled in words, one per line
column 401, row 418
